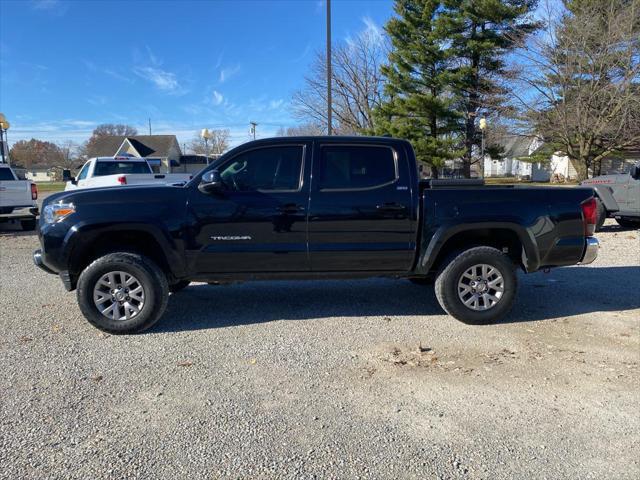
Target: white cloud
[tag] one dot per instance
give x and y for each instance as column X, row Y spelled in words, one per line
column 217, row 97
column 372, row 28
column 275, row 104
column 228, row 72
column 54, row 7
column 162, row 79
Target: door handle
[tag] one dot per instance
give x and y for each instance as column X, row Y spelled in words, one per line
column 391, row 207
column 290, row 208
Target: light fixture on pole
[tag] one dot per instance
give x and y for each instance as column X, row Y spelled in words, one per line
column 206, row 136
column 483, row 127
column 4, row 126
column 252, row 129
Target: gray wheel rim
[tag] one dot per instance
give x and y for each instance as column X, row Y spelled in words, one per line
column 118, row 296
column 481, row 287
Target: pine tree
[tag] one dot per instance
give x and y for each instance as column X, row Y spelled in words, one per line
column 478, row 35
column 417, row 106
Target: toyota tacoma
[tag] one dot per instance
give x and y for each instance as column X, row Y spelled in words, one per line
column 309, row 208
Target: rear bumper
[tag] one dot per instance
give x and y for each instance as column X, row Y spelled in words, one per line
column 590, row 251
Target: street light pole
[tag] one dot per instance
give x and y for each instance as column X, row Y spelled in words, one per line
column 206, row 135
column 483, row 127
column 4, row 126
column 252, row 129
column 329, row 109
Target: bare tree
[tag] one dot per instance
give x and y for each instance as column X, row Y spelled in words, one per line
column 356, row 85
column 69, row 153
column 218, row 144
column 583, row 81
column 304, row 129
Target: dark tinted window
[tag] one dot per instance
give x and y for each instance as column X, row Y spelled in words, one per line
column 344, row 167
column 114, row 168
column 5, row 174
column 269, row 168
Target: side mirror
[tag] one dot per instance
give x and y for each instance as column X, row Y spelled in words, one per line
column 66, row 176
column 211, row 182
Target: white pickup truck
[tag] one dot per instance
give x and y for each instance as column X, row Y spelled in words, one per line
column 118, row 171
column 17, row 199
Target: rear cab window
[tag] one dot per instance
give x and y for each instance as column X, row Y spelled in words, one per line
column 5, row 174
column 103, row 168
column 357, row 167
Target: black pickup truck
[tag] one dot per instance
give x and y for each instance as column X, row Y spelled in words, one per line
column 309, row 208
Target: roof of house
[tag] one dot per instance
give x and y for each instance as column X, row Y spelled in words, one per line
column 516, row 146
column 145, row 145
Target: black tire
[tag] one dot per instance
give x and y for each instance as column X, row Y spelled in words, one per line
column 28, row 225
column 628, row 223
column 150, row 277
column 421, row 280
column 601, row 214
column 446, row 285
column 181, row 285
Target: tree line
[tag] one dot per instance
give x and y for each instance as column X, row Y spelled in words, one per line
column 68, row 154
column 567, row 73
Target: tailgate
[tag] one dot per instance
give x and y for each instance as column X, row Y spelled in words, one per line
column 15, row 193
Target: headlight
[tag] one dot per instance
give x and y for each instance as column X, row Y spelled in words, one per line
column 57, row 211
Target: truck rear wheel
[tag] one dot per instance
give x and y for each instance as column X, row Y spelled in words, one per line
column 478, row 286
column 122, row 293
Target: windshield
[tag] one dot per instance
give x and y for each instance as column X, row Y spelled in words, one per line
column 114, row 168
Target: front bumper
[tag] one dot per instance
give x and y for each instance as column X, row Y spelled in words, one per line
column 39, row 262
column 590, row 251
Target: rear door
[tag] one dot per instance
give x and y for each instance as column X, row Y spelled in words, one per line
column 360, row 209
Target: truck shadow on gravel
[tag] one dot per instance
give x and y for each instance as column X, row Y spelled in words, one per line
column 562, row 293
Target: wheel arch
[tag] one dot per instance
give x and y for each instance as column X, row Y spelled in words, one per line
column 88, row 242
column 605, row 194
column 514, row 240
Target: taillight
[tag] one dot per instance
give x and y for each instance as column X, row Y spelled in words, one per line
column 589, row 216
column 34, row 191
column 122, row 180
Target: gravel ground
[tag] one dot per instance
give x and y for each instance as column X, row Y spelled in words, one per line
column 362, row 379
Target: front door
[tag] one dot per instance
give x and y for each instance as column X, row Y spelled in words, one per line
column 360, row 209
column 259, row 222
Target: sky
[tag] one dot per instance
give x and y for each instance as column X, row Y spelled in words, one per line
column 69, row 65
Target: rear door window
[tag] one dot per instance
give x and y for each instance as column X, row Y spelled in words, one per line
column 356, row 167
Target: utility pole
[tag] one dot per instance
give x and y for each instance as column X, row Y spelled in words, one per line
column 149, row 125
column 329, row 109
column 252, row 129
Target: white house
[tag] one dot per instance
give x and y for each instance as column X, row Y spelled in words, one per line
column 516, row 147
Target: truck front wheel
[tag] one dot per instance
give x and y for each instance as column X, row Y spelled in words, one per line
column 122, row 293
column 477, row 286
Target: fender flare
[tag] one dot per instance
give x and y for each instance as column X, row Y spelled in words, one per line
column 84, row 233
column 530, row 255
column 605, row 194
